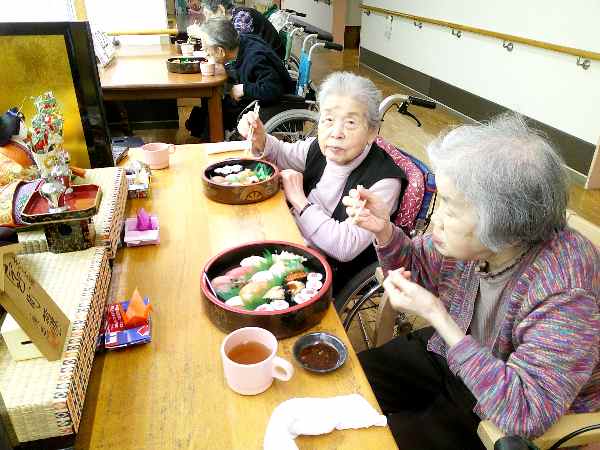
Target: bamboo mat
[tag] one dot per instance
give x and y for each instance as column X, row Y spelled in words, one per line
column 44, row 399
column 108, row 223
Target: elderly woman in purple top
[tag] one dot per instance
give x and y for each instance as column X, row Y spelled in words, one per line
column 511, row 295
column 245, row 20
column 319, row 172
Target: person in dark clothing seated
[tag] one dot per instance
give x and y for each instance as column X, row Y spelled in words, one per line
column 245, row 20
column 255, row 73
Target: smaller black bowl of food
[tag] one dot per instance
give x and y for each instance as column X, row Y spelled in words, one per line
column 185, row 64
column 320, row 352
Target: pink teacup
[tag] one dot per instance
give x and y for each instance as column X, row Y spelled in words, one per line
column 250, row 362
column 207, row 68
column 156, row 154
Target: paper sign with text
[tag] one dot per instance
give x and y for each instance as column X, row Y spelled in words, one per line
column 33, row 309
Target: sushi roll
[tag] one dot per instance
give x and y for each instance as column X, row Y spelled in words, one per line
column 314, row 284
column 278, row 269
column 252, row 261
column 264, row 307
column 310, row 293
column 264, row 275
column 239, row 274
column 295, row 276
column 288, row 256
column 301, row 298
column 235, row 301
column 294, row 286
column 275, row 293
column 218, row 179
column 278, row 305
column 253, row 291
column 315, row 276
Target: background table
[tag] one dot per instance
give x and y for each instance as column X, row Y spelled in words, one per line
column 171, row 393
column 140, row 73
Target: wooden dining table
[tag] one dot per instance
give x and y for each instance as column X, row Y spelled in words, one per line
column 171, row 393
column 139, row 72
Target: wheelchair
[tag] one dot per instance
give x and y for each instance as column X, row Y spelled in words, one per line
column 357, row 301
column 295, row 116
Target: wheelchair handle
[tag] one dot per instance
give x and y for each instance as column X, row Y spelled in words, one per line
column 294, row 13
column 417, row 101
column 334, row 46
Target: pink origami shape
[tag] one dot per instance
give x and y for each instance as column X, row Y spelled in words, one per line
column 143, row 220
column 135, row 237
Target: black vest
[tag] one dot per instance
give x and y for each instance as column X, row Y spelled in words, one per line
column 377, row 166
column 264, row 29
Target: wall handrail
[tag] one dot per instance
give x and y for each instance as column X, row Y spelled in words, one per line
column 502, row 36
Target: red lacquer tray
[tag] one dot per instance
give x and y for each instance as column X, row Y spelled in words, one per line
column 83, row 203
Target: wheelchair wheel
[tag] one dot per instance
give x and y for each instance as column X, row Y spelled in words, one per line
column 293, row 125
column 357, row 304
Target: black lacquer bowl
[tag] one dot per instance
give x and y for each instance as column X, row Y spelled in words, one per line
column 282, row 323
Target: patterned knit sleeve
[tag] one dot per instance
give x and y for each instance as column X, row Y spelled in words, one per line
column 417, row 255
column 556, row 351
column 242, row 22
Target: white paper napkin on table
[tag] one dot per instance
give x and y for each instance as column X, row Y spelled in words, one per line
column 318, row 416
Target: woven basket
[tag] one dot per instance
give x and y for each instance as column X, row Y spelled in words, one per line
column 109, row 220
column 43, row 398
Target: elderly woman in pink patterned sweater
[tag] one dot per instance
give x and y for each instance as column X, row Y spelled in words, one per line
column 512, row 295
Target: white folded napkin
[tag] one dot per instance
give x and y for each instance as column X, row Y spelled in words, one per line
column 318, row 416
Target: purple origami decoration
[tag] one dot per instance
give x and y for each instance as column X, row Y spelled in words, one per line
column 143, row 220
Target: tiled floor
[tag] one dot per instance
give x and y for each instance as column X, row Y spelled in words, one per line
column 400, row 130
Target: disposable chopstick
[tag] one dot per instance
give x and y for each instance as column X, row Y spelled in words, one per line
column 251, row 131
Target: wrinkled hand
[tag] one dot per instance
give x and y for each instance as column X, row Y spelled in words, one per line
column 293, row 187
column 250, row 120
column 406, row 295
column 366, row 210
column 237, row 92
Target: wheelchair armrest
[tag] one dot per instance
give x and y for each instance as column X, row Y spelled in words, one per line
column 379, row 275
column 291, row 98
column 490, row 433
column 385, row 318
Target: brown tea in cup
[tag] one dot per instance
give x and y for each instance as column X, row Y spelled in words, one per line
column 249, row 353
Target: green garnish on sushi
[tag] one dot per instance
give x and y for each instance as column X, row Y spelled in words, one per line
column 262, row 171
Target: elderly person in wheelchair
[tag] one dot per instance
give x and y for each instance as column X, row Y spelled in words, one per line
column 245, row 20
column 511, row 294
column 255, row 73
column 318, row 172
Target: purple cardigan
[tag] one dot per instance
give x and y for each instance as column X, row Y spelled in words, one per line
column 545, row 361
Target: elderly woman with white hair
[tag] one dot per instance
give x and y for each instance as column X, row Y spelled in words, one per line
column 254, row 69
column 318, row 172
column 511, row 295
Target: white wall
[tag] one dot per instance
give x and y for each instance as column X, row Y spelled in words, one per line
column 544, row 85
column 317, row 13
column 112, row 15
column 36, row 11
column 353, row 13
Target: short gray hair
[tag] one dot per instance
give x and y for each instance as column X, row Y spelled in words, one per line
column 511, row 174
column 361, row 89
column 213, row 5
column 219, row 32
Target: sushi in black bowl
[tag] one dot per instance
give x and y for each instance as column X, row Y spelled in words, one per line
column 288, row 315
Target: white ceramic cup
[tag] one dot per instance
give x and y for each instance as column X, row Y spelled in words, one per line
column 252, row 379
column 207, row 68
column 187, row 49
column 156, row 154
